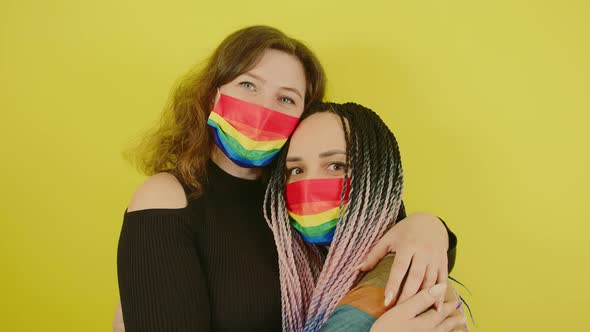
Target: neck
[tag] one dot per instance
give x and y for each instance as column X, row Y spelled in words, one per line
column 228, row 166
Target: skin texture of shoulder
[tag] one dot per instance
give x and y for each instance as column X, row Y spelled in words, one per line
column 159, row 191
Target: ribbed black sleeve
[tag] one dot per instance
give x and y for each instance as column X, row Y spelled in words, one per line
column 212, row 266
column 452, row 251
column 161, row 282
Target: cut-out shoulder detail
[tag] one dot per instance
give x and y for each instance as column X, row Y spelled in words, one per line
column 160, row 191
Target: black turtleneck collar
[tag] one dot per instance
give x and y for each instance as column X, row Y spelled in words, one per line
column 232, row 187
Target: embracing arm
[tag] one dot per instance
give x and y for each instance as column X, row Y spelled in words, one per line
column 363, row 306
column 425, row 250
column 161, row 281
column 452, row 248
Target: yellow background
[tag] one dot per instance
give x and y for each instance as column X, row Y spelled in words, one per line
column 489, row 100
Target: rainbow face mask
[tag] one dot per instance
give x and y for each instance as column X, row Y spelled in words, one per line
column 314, row 206
column 250, row 135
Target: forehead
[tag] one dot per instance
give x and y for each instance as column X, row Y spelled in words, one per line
column 317, row 133
column 280, row 69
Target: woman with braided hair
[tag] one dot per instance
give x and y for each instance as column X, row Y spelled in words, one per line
column 336, row 189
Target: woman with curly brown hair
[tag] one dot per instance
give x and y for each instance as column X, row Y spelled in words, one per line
column 195, row 252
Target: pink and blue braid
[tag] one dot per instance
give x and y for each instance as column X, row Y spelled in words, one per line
column 312, row 283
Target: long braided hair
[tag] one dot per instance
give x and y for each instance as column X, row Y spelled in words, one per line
column 313, row 281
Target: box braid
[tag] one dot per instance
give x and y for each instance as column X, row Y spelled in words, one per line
column 312, row 281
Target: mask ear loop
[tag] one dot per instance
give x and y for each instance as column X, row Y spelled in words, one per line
column 217, row 97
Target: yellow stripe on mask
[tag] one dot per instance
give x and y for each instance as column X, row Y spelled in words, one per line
column 317, row 219
column 245, row 141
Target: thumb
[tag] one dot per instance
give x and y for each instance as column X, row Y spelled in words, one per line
column 374, row 256
column 418, row 303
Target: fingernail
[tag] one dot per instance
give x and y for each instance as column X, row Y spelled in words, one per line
column 360, row 266
column 388, row 298
column 459, row 305
column 437, row 290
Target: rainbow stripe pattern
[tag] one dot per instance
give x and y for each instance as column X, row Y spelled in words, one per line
column 314, row 206
column 249, row 134
column 363, row 305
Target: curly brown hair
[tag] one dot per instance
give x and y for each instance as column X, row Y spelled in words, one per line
column 180, row 142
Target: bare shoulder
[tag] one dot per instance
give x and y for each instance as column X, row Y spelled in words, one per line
column 159, row 191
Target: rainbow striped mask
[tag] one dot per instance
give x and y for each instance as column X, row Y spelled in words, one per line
column 314, row 206
column 249, row 134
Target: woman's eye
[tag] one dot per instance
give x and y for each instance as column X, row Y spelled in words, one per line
column 336, row 167
column 248, row 85
column 294, row 171
column 287, row 100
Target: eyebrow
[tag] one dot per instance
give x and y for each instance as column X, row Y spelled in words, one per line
column 331, row 153
column 295, row 91
column 321, row 155
column 254, row 76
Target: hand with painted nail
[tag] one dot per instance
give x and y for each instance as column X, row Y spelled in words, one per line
column 420, row 244
column 414, row 314
column 451, row 295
